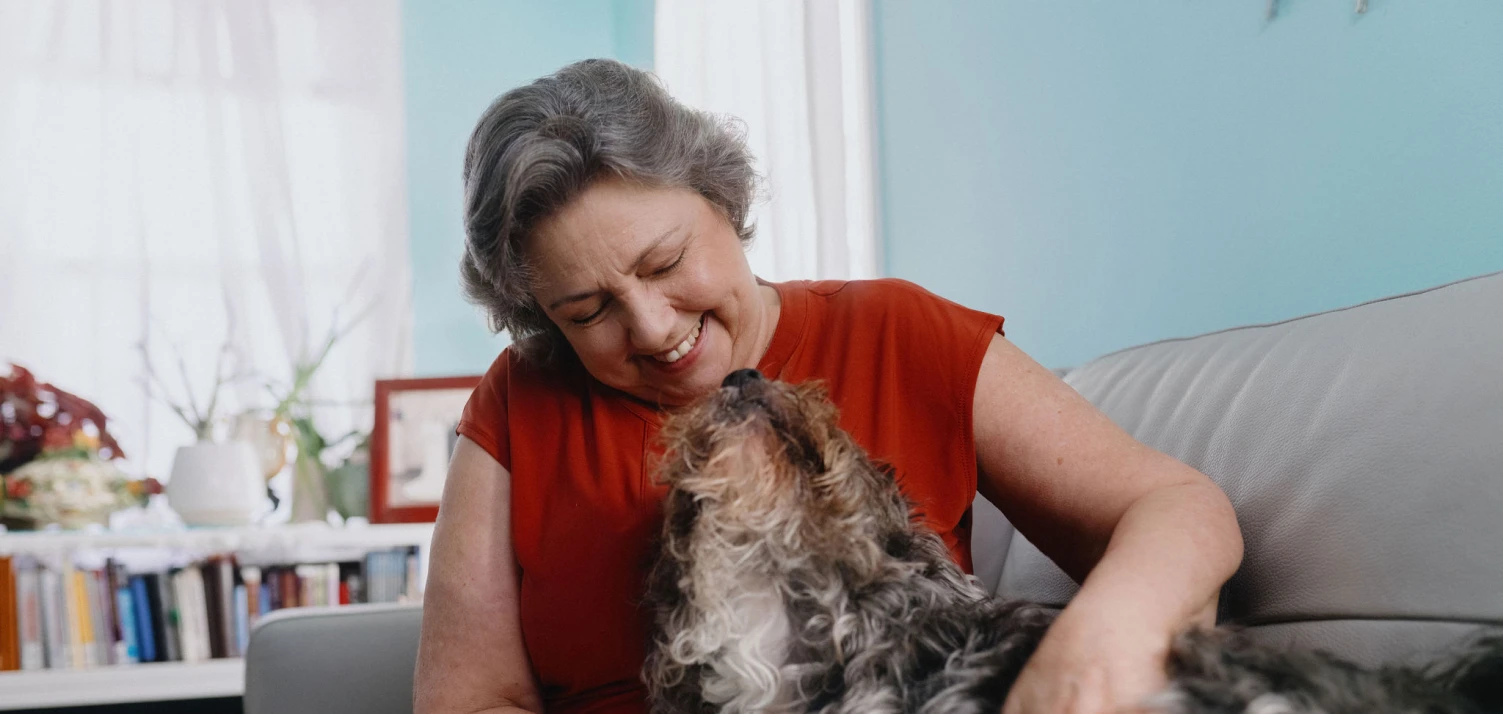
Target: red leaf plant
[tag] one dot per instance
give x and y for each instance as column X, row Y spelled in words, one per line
column 36, row 417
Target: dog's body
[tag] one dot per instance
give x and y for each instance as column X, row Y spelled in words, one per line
column 793, row 578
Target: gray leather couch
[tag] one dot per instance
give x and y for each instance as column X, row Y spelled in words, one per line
column 1362, row 448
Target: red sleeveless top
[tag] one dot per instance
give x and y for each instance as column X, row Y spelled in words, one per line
column 901, row 364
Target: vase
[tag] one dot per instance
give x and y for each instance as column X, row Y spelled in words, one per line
column 310, row 497
column 217, row 484
column 271, row 437
column 350, row 489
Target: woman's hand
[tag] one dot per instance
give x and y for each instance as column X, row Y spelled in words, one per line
column 1090, row 664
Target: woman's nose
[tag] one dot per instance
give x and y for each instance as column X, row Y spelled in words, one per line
column 653, row 321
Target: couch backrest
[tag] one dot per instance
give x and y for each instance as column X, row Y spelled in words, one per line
column 1362, row 449
column 321, row 660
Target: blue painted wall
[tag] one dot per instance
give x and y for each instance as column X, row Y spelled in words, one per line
column 459, row 55
column 1106, row 173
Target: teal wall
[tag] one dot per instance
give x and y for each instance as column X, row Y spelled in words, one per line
column 1106, row 173
column 458, row 55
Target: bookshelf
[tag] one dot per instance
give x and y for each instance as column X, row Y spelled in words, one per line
column 121, row 684
column 294, row 539
column 162, row 681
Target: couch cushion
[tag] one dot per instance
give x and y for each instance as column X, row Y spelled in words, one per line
column 1362, row 448
column 317, row 660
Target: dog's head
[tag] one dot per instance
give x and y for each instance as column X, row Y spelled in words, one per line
column 768, row 457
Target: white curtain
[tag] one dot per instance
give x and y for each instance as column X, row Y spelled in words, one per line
column 798, row 73
column 191, row 172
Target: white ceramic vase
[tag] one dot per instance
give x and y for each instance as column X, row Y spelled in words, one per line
column 217, row 484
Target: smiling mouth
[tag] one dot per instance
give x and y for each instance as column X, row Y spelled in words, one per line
column 683, row 347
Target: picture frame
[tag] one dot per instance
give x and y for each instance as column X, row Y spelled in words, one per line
column 411, row 442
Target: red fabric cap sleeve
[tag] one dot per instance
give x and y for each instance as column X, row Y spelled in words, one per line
column 484, row 420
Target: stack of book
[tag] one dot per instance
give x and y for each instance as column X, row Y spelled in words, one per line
column 54, row 615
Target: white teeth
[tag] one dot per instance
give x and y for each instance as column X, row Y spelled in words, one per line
column 683, row 348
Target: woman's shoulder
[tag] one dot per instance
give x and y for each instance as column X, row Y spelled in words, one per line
column 887, row 301
column 519, row 372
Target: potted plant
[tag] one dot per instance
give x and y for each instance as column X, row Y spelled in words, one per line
column 56, row 458
column 213, row 482
column 312, row 477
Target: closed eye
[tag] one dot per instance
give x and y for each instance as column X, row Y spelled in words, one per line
column 669, row 268
column 594, row 315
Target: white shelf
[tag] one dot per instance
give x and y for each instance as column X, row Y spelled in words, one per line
column 293, row 538
column 150, row 682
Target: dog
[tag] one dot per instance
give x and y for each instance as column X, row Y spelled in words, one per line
column 792, row 576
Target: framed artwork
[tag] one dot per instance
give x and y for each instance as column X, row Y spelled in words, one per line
column 411, row 441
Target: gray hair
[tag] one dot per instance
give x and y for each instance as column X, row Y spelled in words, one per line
column 538, row 146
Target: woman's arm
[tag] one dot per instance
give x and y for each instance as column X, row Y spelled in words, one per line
column 1150, row 539
column 470, row 657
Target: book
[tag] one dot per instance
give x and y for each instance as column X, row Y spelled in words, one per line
column 242, row 619
column 272, row 576
column 155, row 604
column 171, row 637
column 263, row 603
column 213, row 607
column 29, row 613
column 125, row 606
column 195, row 614
column 330, row 577
column 106, row 577
column 145, row 623
column 80, row 637
column 250, row 577
column 375, row 577
column 100, row 635
column 10, row 631
column 351, row 573
column 290, row 588
column 224, row 589
column 412, row 590
column 58, row 642
column 188, row 625
column 307, row 580
column 126, row 647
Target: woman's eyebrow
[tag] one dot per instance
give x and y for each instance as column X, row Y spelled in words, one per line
column 583, row 296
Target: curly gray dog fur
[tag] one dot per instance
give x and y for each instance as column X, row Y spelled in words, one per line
column 793, row 577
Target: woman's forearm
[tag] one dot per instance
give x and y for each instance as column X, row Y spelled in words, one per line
column 1166, row 561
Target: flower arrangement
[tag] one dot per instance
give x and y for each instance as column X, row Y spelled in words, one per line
column 55, row 457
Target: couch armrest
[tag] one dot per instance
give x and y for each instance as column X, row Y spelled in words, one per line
column 355, row 658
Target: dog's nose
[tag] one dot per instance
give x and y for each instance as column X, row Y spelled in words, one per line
column 741, row 377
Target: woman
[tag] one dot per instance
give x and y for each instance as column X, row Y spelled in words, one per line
column 605, row 230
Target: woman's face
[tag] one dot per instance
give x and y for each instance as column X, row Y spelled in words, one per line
column 652, row 289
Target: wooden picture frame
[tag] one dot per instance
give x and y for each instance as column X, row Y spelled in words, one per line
column 411, row 442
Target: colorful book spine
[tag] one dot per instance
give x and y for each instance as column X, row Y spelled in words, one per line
column 79, row 636
column 10, row 630
column 126, row 607
column 145, row 623
column 99, row 632
column 242, row 618
column 224, row 591
column 250, row 577
column 55, row 614
column 118, row 579
column 29, row 613
column 172, row 619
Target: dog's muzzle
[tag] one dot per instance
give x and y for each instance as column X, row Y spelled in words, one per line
column 741, row 377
